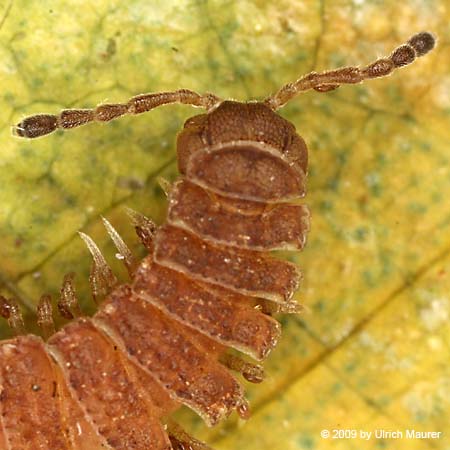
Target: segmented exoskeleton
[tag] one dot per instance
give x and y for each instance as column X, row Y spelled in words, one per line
column 208, row 283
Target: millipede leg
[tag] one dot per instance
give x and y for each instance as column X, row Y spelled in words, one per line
column 251, row 372
column 68, row 305
column 418, row 45
column 165, row 185
column 45, row 316
column 243, row 409
column 269, row 307
column 9, row 309
column 145, row 227
column 102, row 279
column 124, row 252
column 181, row 440
column 42, row 124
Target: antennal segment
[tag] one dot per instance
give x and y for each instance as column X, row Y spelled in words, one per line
column 418, row 45
column 42, row 124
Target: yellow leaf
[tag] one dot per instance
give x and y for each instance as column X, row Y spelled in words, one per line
column 373, row 352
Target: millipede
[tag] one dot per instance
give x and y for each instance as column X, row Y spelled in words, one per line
column 207, row 290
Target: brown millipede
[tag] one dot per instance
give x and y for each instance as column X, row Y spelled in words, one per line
column 208, row 283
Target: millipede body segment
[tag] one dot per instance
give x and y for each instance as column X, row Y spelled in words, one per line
column 208, row 284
